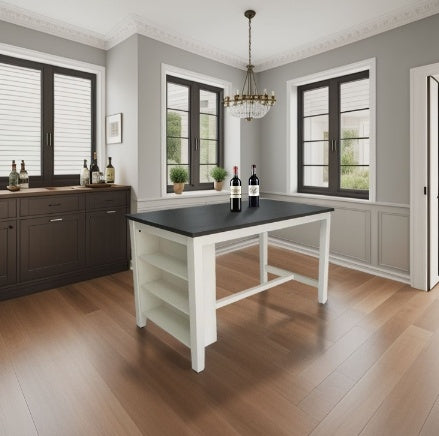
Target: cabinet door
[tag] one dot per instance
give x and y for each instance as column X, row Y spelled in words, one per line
column 8, row 252
column 51, row 245
column 106, row 237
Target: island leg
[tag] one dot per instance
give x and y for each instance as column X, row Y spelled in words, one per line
column 263, row 257
column 325, row 227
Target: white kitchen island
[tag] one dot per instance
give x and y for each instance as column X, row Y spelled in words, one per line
column 173, row 253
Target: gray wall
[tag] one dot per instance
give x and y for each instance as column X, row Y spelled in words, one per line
column 152, row 54
column 396, row 51
column 122, row 96
column 34, row 40
column 374, row 236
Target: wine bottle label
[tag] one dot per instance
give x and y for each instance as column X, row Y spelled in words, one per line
column 253, row 190
column 109, row 175
column 235, row 192
column 95, row 177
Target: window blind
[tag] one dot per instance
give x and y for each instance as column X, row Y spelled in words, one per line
column 20, row 118
column 72, row 123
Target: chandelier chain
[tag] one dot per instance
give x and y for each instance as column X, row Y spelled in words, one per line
column 249, row 41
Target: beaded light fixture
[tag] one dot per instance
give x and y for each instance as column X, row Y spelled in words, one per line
column 250, row 104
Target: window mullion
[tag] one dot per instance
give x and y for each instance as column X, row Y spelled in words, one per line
column 195, row 134
column 334, row 136
column 47, row 139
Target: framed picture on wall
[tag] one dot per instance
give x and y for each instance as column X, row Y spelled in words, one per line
column 114, row 128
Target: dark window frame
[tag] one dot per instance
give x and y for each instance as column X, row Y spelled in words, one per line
column 194, row 129
column 47, row 177
column 334, row 134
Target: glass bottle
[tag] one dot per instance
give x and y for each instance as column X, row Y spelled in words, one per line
column 235, row 191
column 23, row 176
column 94, row 170
column 253, row 189
column 109, row 172
column 13, row 175
column 84, row 178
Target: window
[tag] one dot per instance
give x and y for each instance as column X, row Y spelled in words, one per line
column 333, row 136
column 47, row 119
column 194, row 130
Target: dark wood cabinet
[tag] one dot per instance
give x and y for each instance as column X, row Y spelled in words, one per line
column 106, row 236
column 8, row 252
column 50, row 238
column 51, row 245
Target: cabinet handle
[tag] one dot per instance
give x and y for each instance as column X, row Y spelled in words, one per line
column 54, row 204
column 55, row 220
column 111, row 211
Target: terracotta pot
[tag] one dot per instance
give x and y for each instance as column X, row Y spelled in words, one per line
column 218, row 185
column 178, row 188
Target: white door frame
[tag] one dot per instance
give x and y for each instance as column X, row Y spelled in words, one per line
column 419, row 174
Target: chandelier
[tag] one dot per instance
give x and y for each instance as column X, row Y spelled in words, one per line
column 249, row 104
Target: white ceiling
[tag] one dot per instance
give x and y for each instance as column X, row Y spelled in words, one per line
column 283, row 30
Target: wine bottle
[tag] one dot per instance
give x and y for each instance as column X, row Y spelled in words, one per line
column 13, row 175
column 23, row 176
column 84, row 178
column 109, row 172
column 235, row 191
column 253, row 189
column 94, row 170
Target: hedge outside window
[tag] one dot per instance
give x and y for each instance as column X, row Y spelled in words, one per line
column 194, row 130
column 333, row 136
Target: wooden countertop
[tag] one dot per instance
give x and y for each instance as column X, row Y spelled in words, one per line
column 57, row 190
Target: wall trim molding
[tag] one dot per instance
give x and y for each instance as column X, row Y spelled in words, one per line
column 338, row 260
column 42, row 23
column 132, row 24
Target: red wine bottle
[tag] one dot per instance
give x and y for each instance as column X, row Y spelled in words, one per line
column 235, row 191
column 253, row 189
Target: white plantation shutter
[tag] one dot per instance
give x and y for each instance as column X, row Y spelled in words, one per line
column 72, row 123
column 20, row 118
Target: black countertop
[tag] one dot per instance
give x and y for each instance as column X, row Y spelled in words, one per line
column 215, row 218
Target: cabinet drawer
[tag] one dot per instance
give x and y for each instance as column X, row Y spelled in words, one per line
column 51, row 204
column 8, row 208
column 105, row 200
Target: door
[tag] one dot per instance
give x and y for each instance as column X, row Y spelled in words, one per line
column 433, row 181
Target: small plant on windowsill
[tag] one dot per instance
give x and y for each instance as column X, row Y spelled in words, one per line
column 218, row 174
column 179, row 176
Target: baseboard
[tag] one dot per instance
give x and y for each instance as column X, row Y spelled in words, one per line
column 338, row 260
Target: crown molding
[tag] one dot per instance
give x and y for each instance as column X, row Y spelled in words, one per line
column 386, row 22
column 32, row 20
column 134, row 24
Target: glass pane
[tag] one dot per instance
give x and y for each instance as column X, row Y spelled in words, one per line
column 177, row 150
column 208, row 152
column 315, row 128
column 20, row 119
column 315, row 153
column 178, row 97
column 315, row 176
column 177, row 124
column 204, row 173
column 355, row 124
column 72, row 123
column 354, row 95
column 354, row 178
column 315, row 102
column 208, row 124
column 354, row 152
column 208, row 103
column 171, row 166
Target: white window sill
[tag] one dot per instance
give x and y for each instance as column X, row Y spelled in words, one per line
column 195, row 194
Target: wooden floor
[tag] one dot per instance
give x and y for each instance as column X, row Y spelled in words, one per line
column 73, row 362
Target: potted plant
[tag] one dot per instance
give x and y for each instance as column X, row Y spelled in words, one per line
column 218, row 174
column 179, row 176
